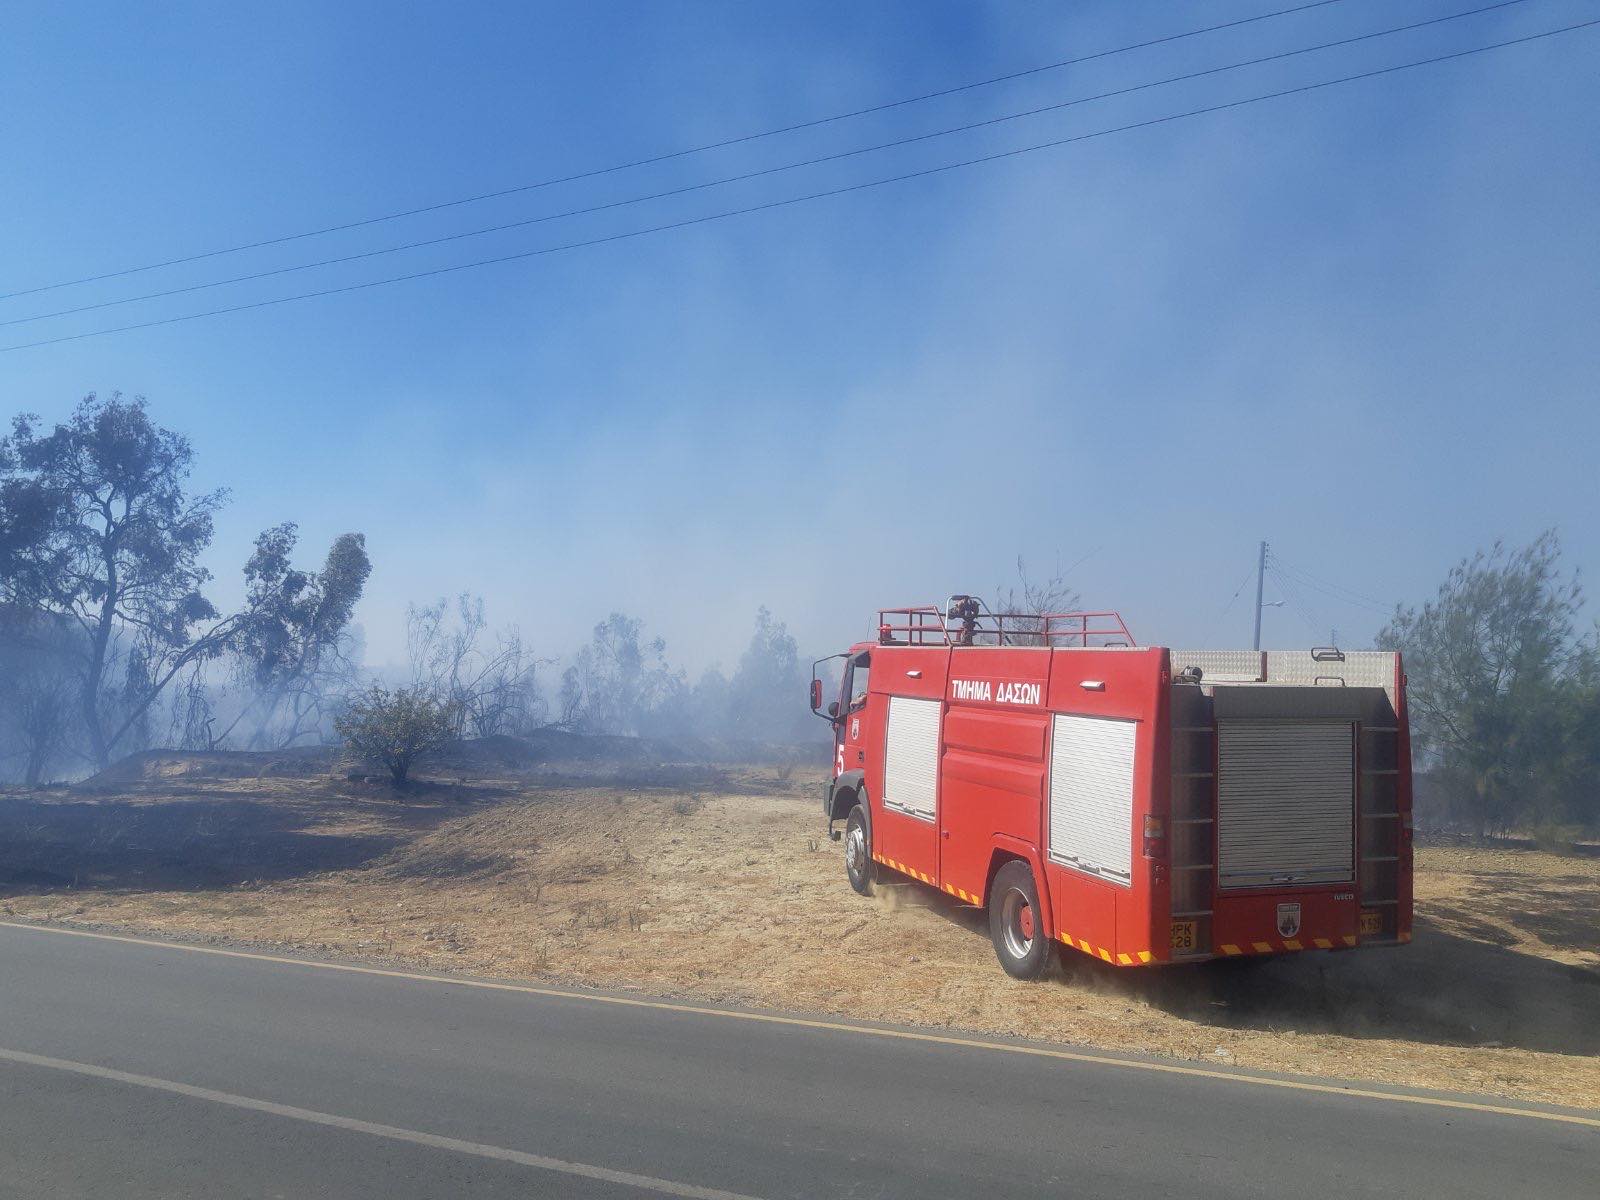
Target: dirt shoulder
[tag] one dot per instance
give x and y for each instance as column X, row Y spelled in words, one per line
column 734, row 895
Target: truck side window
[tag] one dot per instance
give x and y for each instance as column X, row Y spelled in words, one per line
column 859, row 670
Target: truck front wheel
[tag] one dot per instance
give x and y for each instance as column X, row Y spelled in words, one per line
column 1016, row 922
column 858, row 851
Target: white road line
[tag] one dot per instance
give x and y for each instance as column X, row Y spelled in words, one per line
column 665, row 1187
column 908, row 1035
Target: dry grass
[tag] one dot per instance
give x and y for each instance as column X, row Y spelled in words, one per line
column 734, row 895
column 1525, row 900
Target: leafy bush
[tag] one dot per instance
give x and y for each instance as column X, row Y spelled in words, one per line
column 396, row 728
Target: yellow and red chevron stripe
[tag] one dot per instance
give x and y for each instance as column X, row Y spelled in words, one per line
column 963, row 894
column 1120, row 959
column 916, row 874
column 1234, row 949
column 1139, row 957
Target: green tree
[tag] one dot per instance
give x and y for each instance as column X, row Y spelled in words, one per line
column 98, row 532
column 396, row 729
column 1498, row 681
column 293, row 637
column 99, row 528
column 1573, row 797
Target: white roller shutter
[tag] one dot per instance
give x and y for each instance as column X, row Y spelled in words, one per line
column 911, row 756
column 1091, row 795
column 1285, row 802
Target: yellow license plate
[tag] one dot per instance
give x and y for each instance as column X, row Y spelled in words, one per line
column 1371, row 922
column 1183, row 935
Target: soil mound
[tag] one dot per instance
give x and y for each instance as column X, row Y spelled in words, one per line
column 157, row 767
column 547, row 752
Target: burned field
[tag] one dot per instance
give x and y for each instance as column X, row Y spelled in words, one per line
column 718, row 883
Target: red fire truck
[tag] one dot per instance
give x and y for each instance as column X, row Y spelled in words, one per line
column 1139, row 804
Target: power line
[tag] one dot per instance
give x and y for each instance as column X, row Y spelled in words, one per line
column 1303, row 610
column 671, row 155
column 1334, row 591
column 793, row 200
column 1243, row 583
column 1376, row 609
column 748, row 175
column 788, row 201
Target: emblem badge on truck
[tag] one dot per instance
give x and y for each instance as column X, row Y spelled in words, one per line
column 1288, row 919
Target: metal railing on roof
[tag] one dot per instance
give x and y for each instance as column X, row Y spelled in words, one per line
column 933, row 625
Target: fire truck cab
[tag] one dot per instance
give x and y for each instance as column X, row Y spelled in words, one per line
column 1138, row 804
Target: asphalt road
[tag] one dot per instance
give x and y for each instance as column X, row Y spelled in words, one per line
column 139, row 1070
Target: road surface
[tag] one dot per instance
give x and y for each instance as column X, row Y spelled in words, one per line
column 133, row 1069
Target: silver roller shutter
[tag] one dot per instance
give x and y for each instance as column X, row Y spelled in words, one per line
column 1285, row 802
column 1091, row 795
column 911, row 756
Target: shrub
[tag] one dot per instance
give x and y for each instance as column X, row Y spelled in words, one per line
column 396, row 729
column 1557, row 839
column 687, row 806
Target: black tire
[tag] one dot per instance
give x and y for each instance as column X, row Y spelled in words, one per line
column 1016, row 922
column 858, row 851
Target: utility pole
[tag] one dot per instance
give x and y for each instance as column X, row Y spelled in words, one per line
column 1261, row 578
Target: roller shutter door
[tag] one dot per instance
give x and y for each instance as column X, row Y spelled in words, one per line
column 911, row 756
column 1285, row 802
column 1091, row 795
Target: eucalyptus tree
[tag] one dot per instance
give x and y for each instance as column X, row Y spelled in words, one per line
column 101, row 529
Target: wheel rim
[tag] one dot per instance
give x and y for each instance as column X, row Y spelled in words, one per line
column 855, row 849
column 1017, row 924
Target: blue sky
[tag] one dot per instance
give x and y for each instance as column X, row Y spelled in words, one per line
column 1360, row 323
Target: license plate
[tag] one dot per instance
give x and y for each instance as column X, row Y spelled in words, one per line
column 1183, row 935
column 1371, row 922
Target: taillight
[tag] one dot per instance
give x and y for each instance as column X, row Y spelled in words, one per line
column 1155, row 837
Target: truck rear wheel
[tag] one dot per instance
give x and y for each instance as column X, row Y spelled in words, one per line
column 1016, row 922
column 858, row 851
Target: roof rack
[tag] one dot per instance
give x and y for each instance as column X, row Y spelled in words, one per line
column 967, row 621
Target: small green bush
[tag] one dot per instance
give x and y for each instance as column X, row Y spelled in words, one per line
column 395, row 729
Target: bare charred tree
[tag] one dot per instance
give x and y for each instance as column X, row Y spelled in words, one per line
column 193, row 718
column 502, row 696
column 1032, row 598
column 44, row 722
column 488, row 679
column 619, row 683
column 38, row 723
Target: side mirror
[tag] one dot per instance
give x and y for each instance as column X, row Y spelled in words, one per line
column 833, row 709
column 816, row 694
